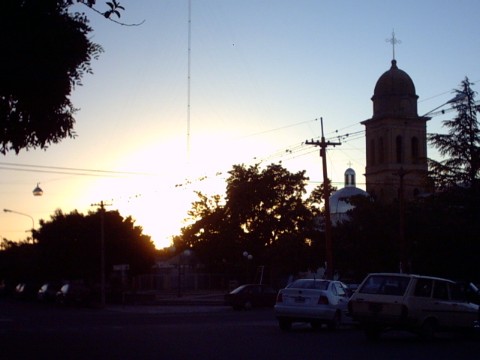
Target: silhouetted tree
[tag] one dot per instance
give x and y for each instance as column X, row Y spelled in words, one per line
column 441, row 238
column 444, row 239
column 457, row 200
column 368, row 241
column 316, row 199
column 460, row 146
column 70, row 245
column 19, row 262
column 263, row 213
column 46, row 52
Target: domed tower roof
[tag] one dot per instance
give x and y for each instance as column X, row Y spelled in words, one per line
column 394, row 94
column 339, row 200
column 350, row 178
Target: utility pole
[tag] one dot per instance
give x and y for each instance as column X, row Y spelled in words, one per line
column 326, row 194
column 102, row 251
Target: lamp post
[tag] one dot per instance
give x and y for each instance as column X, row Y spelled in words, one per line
column 20, row 213
column 185, row 254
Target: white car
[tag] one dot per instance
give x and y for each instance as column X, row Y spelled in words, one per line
column 313, row 301
column 420, row 304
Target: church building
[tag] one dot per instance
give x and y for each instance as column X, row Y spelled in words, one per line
column 396, row 140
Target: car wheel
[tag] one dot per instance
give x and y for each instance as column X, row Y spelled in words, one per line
column 248, row 305
column 284, row 325
column 427, row 331
column 335, row 322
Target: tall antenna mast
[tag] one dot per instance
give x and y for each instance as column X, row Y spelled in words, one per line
column 188, row 75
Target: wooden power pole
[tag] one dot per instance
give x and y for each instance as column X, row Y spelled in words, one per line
column 326, row 194
column 102, row 205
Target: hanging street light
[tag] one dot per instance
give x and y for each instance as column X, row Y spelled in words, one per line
column 37, row 191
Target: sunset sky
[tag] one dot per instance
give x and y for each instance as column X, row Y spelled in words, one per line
column 262, row 73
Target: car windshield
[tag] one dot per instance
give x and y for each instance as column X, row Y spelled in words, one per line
column 473, row 287
column 240, row 289
column 309, row 284
column 385, row 284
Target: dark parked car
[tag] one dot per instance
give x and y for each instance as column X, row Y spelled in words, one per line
column 251, row 295
column 74, row 293
column 26, row 290
column 48, row 291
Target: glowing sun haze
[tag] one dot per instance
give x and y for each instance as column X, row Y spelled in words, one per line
column 261, row 72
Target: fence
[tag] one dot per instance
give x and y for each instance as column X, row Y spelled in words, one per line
column 175, row 282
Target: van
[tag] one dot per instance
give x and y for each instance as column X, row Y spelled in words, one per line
column 421, row 304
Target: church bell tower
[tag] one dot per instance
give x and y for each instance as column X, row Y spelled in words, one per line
column 396, row 140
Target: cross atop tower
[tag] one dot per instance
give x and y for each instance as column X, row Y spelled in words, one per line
column 394, row 41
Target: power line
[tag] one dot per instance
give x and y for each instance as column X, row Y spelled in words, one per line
column 278, row 128
column 65, row 170
column 285, row 154
column 53, row 172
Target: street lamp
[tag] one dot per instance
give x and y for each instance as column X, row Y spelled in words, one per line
column 20, row 213
column 248, row 257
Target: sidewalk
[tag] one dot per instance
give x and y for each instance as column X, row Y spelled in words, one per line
column 212, row 298
column 206, row 298
column 169, row 303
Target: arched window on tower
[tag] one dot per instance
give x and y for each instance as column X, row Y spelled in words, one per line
column 399, row 149
column 372, row 152
column 415, row 151
column 381, row 151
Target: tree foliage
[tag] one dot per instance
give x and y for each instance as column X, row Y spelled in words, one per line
column 440, row 238
column 68, row 247
column 317, row 197
column 368, row 241
column 443, row 237
column 460, row 146
column 263, row 213
column 267, row 203
column 46, row 52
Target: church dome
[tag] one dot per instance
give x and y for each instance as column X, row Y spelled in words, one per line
column 339, row 200
column 394, row 94
column 394, row 82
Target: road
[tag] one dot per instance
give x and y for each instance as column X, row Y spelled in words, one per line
column 30, row 330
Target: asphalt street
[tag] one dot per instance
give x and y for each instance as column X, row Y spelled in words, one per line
column 210, row 332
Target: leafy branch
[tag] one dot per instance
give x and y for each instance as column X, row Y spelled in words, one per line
column 114, row 11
